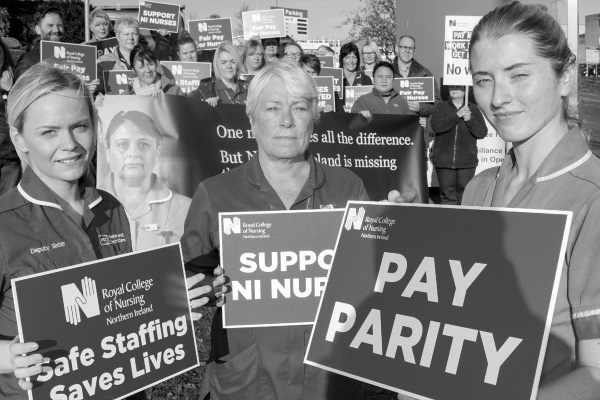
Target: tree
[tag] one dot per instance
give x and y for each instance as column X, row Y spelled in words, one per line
column 374, row 20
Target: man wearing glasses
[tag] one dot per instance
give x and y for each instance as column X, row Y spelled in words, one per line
column 407, row 67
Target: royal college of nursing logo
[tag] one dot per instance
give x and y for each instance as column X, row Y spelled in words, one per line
column 354, row 219
column 202, row 27
column 232, row 225
column 75, row 301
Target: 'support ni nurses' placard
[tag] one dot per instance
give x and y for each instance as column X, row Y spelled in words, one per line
column 277, row 263
column 156, row 16
column 77, row 58
column 338, row 79
column 110, row 327
column 460, row 311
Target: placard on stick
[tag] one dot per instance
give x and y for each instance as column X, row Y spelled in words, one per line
column 277, row 270
column 464, row 310
column 110, row 327
column 416, row 89
column 457, row 36
column 77, row 58
column 154, row 15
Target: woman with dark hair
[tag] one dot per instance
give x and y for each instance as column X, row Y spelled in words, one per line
column 156, row 214
column 10, row 167
column 186, row 49
column 225, row 86
column 292, row 51
column 350, row 63
column 312, row 66
column 148, row 80
column 523, row 71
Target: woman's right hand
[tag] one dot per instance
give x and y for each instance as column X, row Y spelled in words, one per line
column 212, row 101
column 99, row 100
column 25, row 365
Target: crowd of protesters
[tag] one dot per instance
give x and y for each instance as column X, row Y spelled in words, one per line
column 278, row 71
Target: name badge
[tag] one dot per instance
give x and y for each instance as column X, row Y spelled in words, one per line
column 151, row 227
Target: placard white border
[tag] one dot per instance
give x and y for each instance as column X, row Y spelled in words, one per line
column 227, row 214
column 191, row 321
column 551, row 306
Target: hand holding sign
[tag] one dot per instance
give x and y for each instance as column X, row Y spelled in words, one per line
column 201, row 295
column 24, row 366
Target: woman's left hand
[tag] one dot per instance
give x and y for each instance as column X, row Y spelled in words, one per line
column 157, row 93
column 200, row 296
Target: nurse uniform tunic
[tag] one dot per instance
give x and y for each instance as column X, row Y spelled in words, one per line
column 569, row 180
column 40, row 232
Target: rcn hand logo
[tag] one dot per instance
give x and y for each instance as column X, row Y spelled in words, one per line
column 232, row 226
column 355, row 219
column 75, row 301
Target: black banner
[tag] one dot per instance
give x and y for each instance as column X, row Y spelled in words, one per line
column 386, row 151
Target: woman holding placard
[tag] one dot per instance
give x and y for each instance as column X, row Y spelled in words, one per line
column 523, row 72
column 52, row 123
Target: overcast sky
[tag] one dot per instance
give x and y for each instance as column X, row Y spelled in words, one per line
column 325, row 16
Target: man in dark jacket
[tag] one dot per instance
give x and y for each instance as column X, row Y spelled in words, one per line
column 407, row 67
column 49, row 26
column 457, row 128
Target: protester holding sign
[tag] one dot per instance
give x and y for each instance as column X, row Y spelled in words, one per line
column 253, row 56
column 312, row 66
column 225, row 86
column 523, row 72
column 186, row 49
column 457, row 128
column 384, row 99
column 406, row 66
column 350, row 63
column 49, row 26
column 369, row 56
column 282, row 108
column 148, row 81
column 56, row 219
column 128, row 36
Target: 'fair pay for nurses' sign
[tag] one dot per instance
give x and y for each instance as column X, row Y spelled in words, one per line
column 277, row 263
column 456, row 49
column 263, row 23
column 209, row 33
column 156, row 16
column 461, row 312
column 188, row 74
column 110, row 327
column 77, row 58
column 415, row 89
